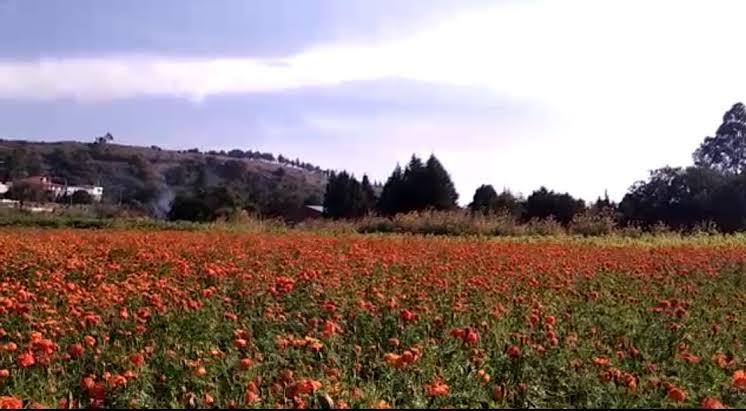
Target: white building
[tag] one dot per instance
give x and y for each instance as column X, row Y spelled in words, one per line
column 61, row 190
column 96, row 192
column 4, row 187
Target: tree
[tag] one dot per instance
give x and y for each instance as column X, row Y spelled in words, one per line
column 507, row 202
column 679, row 198
column 204, row 205
column 81, row 197
column 391, row 198
column 419, row 187
column 603, row 205
column 104, row 139
column 344, row 197
column 369, row 196
column 543, row 203
column 440, row 193
column 729, row 205
column 726, row 152
column 484, row 200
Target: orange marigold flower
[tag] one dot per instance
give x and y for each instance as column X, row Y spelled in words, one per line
column 739, row 380
column 137, row 359
column 710, row 403
column 471, row 337
column 246, row 363
column 26, row 360
column 75, row 350
column 89, row 340
column 601, row 361
column 10, row 403
column 676, row 394
column 380, row 405
column 407, row 315
column 513, row 351
column 117, row 380
column 437, row 388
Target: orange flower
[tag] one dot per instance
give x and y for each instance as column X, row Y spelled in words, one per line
column 601, row 361
column 137, row 359
column 710, row 403
column 437, row 388
column 4, row 373
column 117, row 380
column 471, row 337
column 739, row 380
column 246, row 363
column 407, row 315
column 380, row 405
column 89, row 340
column 252, row 393
column 10, row 403
column 26, row 360
column 76, row 350
column 676, row 394
column 513, row 351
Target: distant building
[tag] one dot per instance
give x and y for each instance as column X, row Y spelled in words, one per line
column 61, row 190
column 4, row 188
column 306, row 212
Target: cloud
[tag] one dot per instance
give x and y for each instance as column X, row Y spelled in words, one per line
column 630, row 85
column 551, row 50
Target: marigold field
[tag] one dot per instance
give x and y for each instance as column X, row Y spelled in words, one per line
column 219, row 319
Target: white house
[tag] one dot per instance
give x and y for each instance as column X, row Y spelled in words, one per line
column 96, row 192
column 60, row 190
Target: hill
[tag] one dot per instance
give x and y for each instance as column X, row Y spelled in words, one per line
column 149, row 178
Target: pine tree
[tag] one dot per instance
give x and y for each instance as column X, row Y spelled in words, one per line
column 369, row 196
column 344, row 197
column 440, row 192
column 414, row 193
column 390, row 201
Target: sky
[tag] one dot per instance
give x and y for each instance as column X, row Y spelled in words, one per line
column 580, row 96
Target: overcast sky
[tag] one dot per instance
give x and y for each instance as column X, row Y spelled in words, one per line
column 579, row 96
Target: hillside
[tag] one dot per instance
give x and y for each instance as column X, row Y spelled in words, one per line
column 149, row 178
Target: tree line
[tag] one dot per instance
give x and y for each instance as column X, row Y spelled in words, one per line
column 710, row 192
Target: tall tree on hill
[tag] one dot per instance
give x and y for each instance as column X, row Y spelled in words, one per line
column 726, row 152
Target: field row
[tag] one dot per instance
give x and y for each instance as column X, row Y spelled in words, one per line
column 199, row 319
